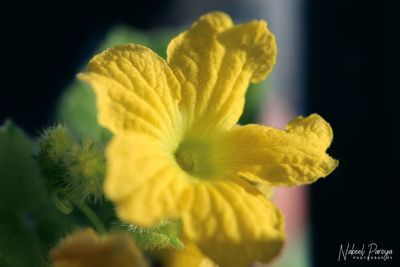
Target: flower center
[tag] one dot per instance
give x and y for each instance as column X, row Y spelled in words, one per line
column 185, row 160
column 195, row 157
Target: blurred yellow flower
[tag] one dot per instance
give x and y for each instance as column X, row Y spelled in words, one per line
column 190, row 256
column 86, row 249
column 177, row 151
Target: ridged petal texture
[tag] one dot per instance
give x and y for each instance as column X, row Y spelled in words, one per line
column 177, row 154
column 289, row 157
column 234, row 224
column 145, row 181
column 135, row 90
column 215, row 62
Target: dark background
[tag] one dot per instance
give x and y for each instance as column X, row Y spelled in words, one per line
column 353, row 51
column 354, row 82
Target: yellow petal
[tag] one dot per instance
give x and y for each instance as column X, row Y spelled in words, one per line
column 215, row 62
column 85, row 248
column 135, row 91
column 266, row 189
column 233, row 223
column 190, row 256
column 144, row 181
column 312, row 128
column 288, row 157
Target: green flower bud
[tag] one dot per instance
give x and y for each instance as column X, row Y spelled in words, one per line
column 73, row 168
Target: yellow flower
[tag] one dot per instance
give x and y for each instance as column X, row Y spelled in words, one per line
column 86, row 249
column 177, row 151
column 191, row 256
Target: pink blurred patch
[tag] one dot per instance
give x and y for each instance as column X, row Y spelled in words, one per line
column 292, row 201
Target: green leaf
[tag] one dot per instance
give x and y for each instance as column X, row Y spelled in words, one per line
column 21, row 197
column 29, row 224
column 77, row 111
column 255, row 96
column 120, row 35
column 155, row 40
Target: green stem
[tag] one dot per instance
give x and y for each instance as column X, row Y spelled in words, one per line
column 91, row 215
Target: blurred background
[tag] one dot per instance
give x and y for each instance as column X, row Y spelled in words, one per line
column 340, row 59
